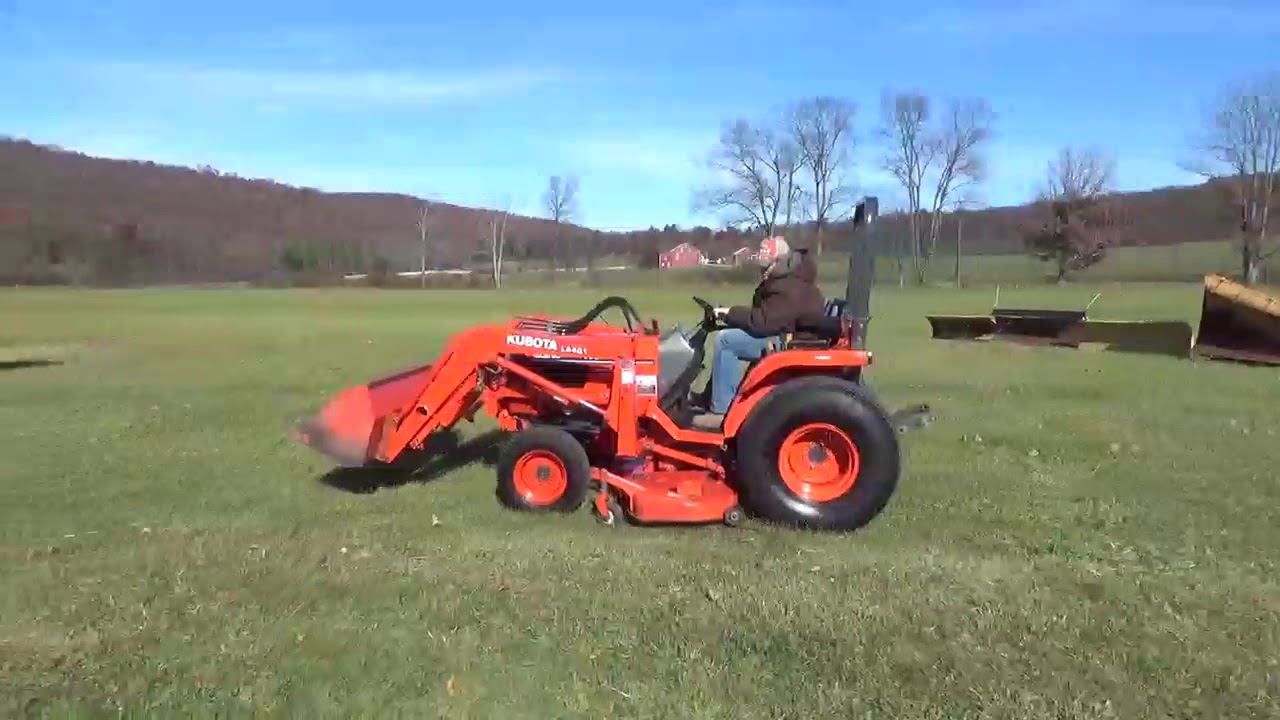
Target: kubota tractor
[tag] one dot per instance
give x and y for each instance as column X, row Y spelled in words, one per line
column 595, row 408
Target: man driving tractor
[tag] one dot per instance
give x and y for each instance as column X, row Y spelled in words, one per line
column 787, row 295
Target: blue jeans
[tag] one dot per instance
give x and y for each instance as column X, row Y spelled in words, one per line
column 733, row 347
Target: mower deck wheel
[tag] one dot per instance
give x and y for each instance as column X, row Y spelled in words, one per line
column 733, row 517
column 543, row 469
column 616, row 516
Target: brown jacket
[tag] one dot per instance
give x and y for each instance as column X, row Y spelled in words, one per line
column 785, row 297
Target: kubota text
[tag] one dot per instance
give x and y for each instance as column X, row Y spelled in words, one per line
column 541, row 343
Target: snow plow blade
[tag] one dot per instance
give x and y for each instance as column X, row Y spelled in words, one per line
column 350, row 427
column 1067, row 329
column 1238, row 323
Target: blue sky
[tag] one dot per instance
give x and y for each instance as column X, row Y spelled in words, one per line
column 479, row 102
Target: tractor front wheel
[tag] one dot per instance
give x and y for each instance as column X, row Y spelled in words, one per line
column 543, row 469
column 817, row 453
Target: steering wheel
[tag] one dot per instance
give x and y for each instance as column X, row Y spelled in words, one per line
column 708, row 311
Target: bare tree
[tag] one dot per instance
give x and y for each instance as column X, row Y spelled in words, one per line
column 591, row 246
column 1240, row 141
column 561, row 203
column 904, row 119
column 1078, row 174
column 498, row 242
column 822, row 129
column 561, row 198
column 957, row 147
column 758, row 168
column 789, row 165
column 963, row 204
column 914, row 147
column 423, row 214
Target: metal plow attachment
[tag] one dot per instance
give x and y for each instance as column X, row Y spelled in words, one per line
column 1026, row 326
column 1238, row 323
column 349, row 428
column 1066, row 328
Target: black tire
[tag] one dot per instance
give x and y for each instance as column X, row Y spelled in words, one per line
column 543, row 448
column 850, row 408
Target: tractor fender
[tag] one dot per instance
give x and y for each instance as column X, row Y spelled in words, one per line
column 776, row 368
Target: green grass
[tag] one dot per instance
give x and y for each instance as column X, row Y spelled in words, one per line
column 1081, row 535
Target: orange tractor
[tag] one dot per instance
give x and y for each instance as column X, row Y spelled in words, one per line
column 600, row 410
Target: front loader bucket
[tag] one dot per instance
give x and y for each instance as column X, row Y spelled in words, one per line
column 350, row 426
column 1238, row 323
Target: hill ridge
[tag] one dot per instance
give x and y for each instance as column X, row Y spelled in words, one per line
column 66, row 215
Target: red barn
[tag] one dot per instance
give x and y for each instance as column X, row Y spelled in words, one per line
column 682, row 255
column 769, row 250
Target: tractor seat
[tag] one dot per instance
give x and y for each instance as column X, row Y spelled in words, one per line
column 822, row 333
column 819, row 335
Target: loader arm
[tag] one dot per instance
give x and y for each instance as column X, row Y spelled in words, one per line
column 442, row 401
column 480, row 368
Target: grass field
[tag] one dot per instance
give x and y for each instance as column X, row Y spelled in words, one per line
column 1080, row 535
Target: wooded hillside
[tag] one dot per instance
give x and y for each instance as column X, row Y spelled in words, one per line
column 69, row 218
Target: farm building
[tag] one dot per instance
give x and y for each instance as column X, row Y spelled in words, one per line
column 742, row 255
column 682, row 255
column 768, row 249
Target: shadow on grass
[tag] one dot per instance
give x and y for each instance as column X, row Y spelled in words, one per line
column 441, row 454
column 24, row 364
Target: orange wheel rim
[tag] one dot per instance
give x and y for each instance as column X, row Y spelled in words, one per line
column 540, row 477
column 819, row 462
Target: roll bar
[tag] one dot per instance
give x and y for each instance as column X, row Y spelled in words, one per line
column 862, row 271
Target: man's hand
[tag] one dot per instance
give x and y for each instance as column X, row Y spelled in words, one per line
column 720, row 313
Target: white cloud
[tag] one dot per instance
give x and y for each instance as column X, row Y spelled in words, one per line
column 366, row 87
column 666, row 156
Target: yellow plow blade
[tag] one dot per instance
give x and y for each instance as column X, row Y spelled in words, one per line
column 1238, row 323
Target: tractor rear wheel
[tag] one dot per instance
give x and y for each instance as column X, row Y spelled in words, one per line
column 543, row 469
column 819, row 453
